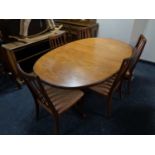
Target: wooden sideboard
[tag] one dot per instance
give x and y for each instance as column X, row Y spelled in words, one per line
column 25, row 52
column 71, row 26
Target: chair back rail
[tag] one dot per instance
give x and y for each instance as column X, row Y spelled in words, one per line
column 137, row 51
column 141, row 42
column 56, row 41
column 120, row 74
column 84, row 33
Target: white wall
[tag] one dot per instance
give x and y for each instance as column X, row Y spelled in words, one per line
column 149, row 32
column 128, row 30
column 116, row 28
column 138, row 28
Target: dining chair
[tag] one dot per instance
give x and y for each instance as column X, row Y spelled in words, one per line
column 108, row 87
column 137, row 51
column 84, row 33
column 55, row 100
column 58, row 40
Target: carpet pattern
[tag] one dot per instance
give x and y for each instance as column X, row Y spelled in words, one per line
column 134, row 114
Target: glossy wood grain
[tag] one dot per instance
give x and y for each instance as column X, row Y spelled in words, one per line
column 82, row 63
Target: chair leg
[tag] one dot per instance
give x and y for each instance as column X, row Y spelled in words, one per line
column 56, row 128
column 109, row 106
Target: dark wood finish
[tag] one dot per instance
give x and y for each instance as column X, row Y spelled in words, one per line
column 26, row 52
column 138, row 49
column 72, row 26
column 54, row 100
column 84, row 33
column 82, row 63
column 141, row 43
column 58, row 40
column 108, row 87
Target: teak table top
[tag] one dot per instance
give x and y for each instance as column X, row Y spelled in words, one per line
column 82, row 63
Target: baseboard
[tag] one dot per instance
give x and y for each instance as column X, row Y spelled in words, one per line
column 148, row 62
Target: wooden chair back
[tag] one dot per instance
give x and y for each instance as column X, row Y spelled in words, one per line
column 35, row 85
column 137, row 51
column 84, row 33
column 141, row 43
column 56, row 41
column 120, row 74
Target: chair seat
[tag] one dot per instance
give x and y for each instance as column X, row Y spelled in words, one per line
column 63, row 99
column 104, row 88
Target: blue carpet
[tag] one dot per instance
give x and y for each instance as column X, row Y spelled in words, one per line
column 134, row 114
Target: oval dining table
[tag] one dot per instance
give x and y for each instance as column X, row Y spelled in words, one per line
column 82, row 63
